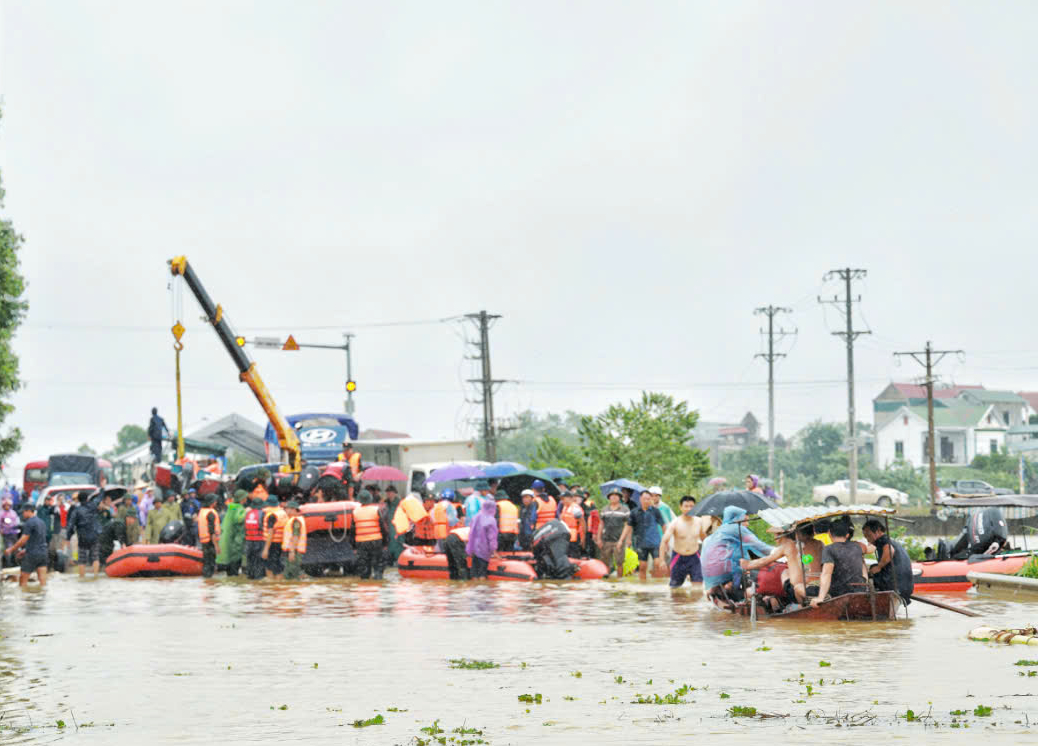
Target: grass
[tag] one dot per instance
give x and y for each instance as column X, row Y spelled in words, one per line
column 1030, row 569
column 737, row 711
column 472, row 665
column 531, row 698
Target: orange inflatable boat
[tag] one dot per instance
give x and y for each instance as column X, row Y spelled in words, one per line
column 154, row 561
column 587, row 569
column 336, row 516
column 950, row 575
column 417, row 563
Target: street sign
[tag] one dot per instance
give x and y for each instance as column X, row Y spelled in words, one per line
column 271, row 343
column 290, row 343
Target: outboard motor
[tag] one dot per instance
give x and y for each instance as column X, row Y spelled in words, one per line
column 173, row 533
column 308, row 478
column 986, row 533
column 550, row 544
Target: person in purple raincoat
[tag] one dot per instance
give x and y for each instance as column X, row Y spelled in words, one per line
column 9, row 523
column 482, row 538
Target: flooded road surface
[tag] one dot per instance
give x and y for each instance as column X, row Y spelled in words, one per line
column 189, row 661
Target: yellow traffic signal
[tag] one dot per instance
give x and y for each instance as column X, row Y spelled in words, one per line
column 240, row 341
column 351, row 386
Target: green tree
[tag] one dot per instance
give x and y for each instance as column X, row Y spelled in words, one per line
column 523, row 442
column 86, row 450
column 12, row 311
column 129, row 436
column 648, row 441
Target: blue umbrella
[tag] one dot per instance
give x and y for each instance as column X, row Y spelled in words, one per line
column 557, row 472
column 503, row 469
column 454, row 471
column 620, row 484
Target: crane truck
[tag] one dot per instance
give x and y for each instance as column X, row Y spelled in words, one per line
column 291, row 449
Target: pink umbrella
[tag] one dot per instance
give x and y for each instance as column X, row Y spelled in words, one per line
column 717, row 481
column 383, row 473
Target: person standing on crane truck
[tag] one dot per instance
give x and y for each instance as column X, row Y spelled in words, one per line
column 352, row 459
column 156, row 429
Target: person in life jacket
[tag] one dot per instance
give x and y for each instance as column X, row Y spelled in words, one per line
column 370, row 534
column 352, row 459
column 573, row 516
column 593, row 519
column 527, row 519
column 232, row 533
column 208, row 535
column 545, row 504
column 274, row 519
column 293, row 542
column 424, row 532
column 444, row 517
column 507, row 522
column 454, row 546
column 255, row 567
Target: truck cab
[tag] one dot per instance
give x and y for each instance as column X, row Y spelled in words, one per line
column 320, row 435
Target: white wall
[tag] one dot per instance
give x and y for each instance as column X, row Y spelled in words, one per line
column 983, row 440
column 912, row 435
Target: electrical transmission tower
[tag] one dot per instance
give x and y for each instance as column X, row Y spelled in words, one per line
column 771, row 356
column 928, row 362
column 483, row 322
column 848, row 275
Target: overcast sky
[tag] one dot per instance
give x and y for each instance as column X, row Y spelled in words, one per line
column 623, row 182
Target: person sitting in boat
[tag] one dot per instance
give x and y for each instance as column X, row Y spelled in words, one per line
column 722, row 550
column 986, row 532
column 843, row 564
column 893, row 568
column 803, row 564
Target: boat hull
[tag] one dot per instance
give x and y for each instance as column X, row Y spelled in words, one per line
column 865, row 607
column 951, row 575
column 154, row 560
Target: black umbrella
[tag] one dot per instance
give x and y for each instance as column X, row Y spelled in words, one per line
column 514, row 484
column 751, row 502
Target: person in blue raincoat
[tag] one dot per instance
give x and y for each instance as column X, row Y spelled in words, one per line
column 723, row 549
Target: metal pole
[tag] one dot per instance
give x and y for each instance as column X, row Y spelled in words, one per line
column 349, row 370
column 489, row 437
column 930, row 425
column 850, row 394
column 771, row 396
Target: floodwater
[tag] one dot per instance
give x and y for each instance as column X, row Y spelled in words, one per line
column 190, row 661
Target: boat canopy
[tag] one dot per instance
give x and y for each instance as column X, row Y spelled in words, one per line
column 789, row 517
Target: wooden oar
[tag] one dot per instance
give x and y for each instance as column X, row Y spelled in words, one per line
column 949, row 607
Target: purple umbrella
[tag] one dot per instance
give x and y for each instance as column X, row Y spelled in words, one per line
column 454, row 471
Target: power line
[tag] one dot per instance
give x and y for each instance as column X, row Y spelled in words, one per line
column 848, row 275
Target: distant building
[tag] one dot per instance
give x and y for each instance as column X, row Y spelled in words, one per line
column 375, row 434
column 726, row 437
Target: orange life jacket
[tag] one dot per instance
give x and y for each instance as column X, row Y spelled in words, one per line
column 214, row 468
column 545, row 510
column 508, row 519
column 254, row 524
column 278, row 532
column 353, row 461
column 439, row 520
column 569, row 517
column 290, row 542
column 260, row 492
column 366, row 521
column 203, row 525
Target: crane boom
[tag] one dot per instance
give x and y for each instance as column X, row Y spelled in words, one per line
column 287, row 438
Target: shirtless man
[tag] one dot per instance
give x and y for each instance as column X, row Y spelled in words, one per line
column 687, row 532
column 809, row 558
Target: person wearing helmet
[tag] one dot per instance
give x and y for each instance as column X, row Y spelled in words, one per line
column 444, row 517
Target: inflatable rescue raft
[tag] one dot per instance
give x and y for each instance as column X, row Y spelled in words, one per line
column 417, row 563
column 950, row 575
column 154, row 561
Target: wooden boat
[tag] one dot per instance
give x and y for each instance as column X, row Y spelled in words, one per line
column 881, row 605
column 950, row 575
column 154, row 561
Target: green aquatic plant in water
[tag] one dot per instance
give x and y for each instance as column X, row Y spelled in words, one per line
column 472, row 664
column 981, row 711
column 1024, row 662
column 736, row 711
column 532, row 698
column 1030, row 568
column 377, row 720
column 674, row 698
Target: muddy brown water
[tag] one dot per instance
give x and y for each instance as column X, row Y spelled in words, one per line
column 190, row 661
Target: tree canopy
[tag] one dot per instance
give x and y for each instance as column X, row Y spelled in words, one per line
column 12, row 311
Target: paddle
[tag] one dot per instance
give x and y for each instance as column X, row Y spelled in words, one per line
column 949, row 607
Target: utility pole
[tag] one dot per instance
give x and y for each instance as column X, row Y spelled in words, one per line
column 848, row 275
column 348, row 338
column 771, row 356
column 928, row 362
column 483, row 322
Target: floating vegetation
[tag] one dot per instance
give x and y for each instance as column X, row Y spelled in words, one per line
column 981, row 711
column 725, row 695
column 737, row 711
column 674, row 698
column 377, row 720
column 730, row 632
column 576, row 674
column 763, row 649
column 618, row 679
column 1024, row 662
column 531, row 698
column 472, row 664
column 824, row 664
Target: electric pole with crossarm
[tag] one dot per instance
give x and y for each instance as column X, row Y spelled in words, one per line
column 771, row 356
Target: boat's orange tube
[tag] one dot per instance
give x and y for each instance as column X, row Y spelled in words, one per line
column 154, row 560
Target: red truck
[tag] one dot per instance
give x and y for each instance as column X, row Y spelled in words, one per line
column 35, row 476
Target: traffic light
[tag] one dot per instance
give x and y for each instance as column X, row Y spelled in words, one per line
column 240, row 341
column 351, row 386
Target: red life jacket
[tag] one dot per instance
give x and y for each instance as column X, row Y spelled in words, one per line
column 254, row 524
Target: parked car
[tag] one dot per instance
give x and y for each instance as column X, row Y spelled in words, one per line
column 962, row 487
column 839, row 493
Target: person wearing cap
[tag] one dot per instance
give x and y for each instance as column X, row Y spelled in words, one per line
column 474, row 502
column 232, row 534
column 594, row 523
column 145, row 504
column 255, row 567
column 563, row 489
column 369, row 534
column 189, row 507
column 610, row 532
column 527, row 519
column 444, row 517
column 293, row 545
column 274, row 519
column 545, row 503
column 208, row 535
column 34, row 539
column 507, row 515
